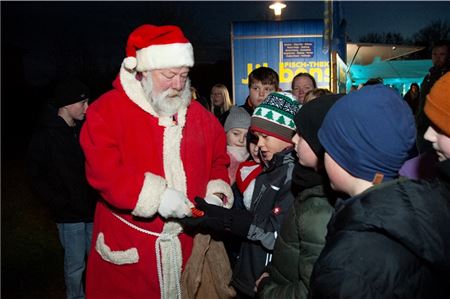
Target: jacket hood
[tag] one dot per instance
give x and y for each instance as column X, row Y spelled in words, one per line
column 50, row 119
column 400, row 211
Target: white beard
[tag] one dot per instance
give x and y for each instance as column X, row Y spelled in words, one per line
column 168, row 102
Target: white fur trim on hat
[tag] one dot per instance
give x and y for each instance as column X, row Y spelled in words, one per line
column 130, row 63
column 149, row 198
column 220, row 186
column 165, row 56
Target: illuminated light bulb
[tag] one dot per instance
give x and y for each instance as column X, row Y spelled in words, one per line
column 277, row 7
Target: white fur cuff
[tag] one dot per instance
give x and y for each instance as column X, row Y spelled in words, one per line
column 220, row 186
column 149, row 198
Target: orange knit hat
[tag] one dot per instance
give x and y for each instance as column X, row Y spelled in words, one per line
column 437, row 106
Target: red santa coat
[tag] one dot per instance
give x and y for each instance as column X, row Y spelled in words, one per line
column 132, row 155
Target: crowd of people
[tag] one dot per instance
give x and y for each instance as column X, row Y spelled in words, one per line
column 294, row 194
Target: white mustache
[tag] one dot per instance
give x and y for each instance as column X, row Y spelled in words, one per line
column 172, row 93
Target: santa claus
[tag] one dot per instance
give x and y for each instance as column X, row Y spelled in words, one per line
column 150, row 151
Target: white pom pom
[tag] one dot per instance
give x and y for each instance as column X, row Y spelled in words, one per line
column 130, row 63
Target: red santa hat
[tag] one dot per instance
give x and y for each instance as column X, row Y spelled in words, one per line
column 156, row 47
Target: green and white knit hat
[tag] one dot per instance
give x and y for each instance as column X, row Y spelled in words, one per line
column 275, row 116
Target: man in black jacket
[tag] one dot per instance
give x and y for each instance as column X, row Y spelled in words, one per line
column 56, row 167
column 440, row 57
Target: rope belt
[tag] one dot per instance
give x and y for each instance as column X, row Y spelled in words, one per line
column 171, row 248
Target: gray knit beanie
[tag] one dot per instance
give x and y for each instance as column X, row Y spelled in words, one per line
column 238, row 118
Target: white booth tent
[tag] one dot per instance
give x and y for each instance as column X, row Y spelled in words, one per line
column 366, row 61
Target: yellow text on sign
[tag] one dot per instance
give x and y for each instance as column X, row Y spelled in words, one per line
column 320, row 70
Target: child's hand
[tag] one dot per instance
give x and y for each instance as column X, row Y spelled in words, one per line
column 212, row 218
column 217, row 218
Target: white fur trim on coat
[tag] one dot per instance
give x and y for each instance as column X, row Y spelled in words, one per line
column 150, row 196
column 133, row 89
column 165, row 56
column 220, row 186
column 173, row 165
column 119, row 257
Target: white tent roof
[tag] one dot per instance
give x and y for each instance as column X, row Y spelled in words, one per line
column 366, row 61
column 364, row 53
column 392, row 72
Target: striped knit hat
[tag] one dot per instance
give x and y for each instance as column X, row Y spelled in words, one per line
column 275, row 116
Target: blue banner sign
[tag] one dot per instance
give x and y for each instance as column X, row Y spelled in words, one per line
column 288, row 47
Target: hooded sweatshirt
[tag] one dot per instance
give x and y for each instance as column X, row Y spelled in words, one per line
column 56, row 168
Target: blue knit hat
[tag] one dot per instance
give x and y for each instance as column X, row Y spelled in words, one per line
column 369, row 132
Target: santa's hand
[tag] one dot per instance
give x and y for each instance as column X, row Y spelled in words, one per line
column 174, row 204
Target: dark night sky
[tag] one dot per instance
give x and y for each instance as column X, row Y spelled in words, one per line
column 42, row 40
column 102, row 27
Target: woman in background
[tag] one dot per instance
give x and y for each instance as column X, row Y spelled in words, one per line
column 220, row 100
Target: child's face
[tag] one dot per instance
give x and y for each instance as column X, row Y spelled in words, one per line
column 269, row 145
column 339, row 177
column 300, row 87
column 305, row 154
column 440, row 141
column 258, row 92
column 77, row 110
column 237, row 137
column 254, row 152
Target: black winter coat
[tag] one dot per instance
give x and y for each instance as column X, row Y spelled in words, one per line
column 389, row 242
column 271, row 201
column 56, row 167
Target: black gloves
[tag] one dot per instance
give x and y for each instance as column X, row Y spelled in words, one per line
column 219, row 219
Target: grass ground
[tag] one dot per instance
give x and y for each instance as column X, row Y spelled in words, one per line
column 31, row 256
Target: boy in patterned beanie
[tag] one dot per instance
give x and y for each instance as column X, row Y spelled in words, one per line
column 272, row 123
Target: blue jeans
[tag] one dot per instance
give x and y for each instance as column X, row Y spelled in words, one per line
column 76, row 239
